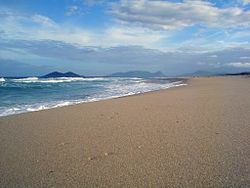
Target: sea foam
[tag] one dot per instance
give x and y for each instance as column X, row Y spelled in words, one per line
column 2, row 80
column 54, row 80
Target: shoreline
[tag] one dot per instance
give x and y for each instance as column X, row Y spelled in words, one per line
column 191, row 136
column 174, row 80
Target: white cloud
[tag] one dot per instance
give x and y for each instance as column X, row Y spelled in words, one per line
column 116, row 36
column 171, row 15
column 232, row 44
column 14, row 25
column 244, row 57
column 200, row 63
column 213, row 56
column 42, row 20
column 240, row 34
column 216, row 64
column 244, row 2
column 72, row 10
column 239, row 64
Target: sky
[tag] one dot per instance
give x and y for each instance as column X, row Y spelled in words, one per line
column 100, row 37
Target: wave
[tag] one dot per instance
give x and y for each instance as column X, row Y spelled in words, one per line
column 54, row 80
column 107, row 90
column 37, row 107
column 2, row 80
column 25, row 80
column 95, row 79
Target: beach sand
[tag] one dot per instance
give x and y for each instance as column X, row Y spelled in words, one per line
column 192, row 136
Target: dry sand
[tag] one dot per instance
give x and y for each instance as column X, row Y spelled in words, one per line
column 191, row 136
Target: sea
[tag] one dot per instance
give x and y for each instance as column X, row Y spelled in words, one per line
column 29, row 94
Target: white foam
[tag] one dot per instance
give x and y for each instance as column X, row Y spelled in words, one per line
column 2, row 80
column 61, row 79
column 10, row 111
column 25, row 80
column 42, row 107
column 64, row 103
column 54, row 80
column 94, row 79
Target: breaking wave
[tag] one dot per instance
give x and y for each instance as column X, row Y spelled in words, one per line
column 54, row 80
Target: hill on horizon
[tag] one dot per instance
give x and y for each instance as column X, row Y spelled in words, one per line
column 140, row 74
column 60, row 74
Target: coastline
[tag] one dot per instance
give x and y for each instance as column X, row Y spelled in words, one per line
column 85, row 91
column 194, row 135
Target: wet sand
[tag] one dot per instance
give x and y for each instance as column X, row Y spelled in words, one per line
column 192, row 136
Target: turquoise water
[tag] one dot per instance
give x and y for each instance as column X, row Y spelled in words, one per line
column 33, row 94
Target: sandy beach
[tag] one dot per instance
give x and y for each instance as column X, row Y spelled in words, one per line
column 190, row 136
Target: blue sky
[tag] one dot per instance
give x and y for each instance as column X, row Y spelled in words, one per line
column 98, row 37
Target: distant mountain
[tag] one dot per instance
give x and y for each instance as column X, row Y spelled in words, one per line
column 215, row 73
column 59, row 74
column 199, row 73
column 238, row 74
column 139, row 74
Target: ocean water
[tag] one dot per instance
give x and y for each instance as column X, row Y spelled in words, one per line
column 34, row 94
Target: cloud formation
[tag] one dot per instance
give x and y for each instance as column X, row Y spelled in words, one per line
column 244, row 57
column 172, row 15
column 125, row 58
column 38, row 39
column 74, row 10
column 15, row 25
column 239, row 64
column 245, row 2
